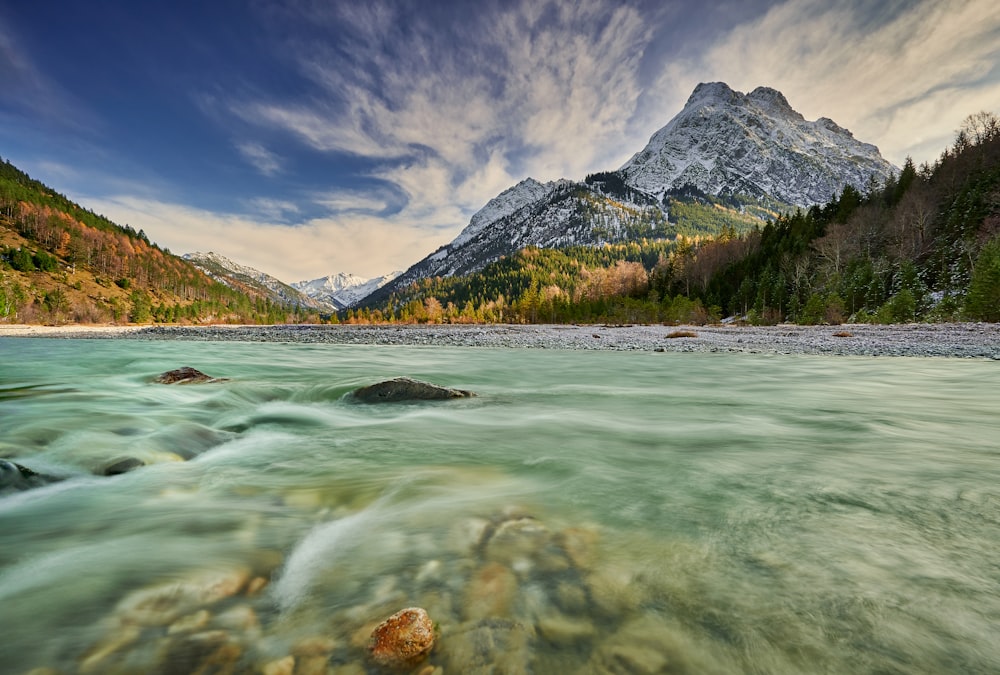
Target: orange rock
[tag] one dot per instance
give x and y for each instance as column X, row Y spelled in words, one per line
column 402, row 640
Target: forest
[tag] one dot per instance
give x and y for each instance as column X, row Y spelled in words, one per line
column 923, row 246
column 61, row 263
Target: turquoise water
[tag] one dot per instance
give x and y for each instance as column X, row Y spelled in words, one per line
column 595, row 512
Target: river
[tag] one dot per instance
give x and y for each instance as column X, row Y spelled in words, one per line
column 586, row 512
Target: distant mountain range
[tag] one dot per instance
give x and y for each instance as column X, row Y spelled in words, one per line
column 752, row 149
column 341, row 291
column 325, row 294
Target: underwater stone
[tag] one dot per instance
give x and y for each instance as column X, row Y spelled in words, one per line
column 164, row 603
column 402, row 640
column 490, row 592
column 285, row 666
column 407, row 389
column 489, row 646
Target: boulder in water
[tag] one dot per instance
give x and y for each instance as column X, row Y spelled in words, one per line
column 402, row 640
column 407, row 389
column 185, row 375
column 13, row 476
column 122, row 465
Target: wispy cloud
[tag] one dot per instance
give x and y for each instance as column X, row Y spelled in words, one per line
column 29, row 93
column 275, row 210
column 260, row 157
column 534, row 88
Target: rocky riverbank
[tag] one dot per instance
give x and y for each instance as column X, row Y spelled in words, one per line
column 964, row 340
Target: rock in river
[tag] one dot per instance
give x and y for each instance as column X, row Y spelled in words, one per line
column 122, row 465
column 16, row 477
column 185, row 375
column 406, row 389
column 402, row 640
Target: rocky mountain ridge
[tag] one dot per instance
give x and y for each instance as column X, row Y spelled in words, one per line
column 752, row 147
column 725, row 142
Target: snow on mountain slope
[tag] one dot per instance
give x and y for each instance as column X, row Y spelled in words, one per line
column 342, row 290
column 250, row 280
column 727, row 142
column 507, row 202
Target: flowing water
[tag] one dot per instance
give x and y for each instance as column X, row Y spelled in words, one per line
column 587, row 512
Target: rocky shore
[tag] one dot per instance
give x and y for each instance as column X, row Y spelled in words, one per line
column 963, row 340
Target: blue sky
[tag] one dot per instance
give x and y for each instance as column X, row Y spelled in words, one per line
column 309, row 137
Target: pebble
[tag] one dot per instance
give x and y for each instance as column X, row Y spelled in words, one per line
column 961, row 340
column 285, row 666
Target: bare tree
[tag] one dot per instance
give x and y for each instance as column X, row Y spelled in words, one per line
column 980, row 128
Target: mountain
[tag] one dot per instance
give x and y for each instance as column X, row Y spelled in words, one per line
column 550, row 215
column 63, row 263
column 728, row 159
column 726, row 142
column 342, row 290
column 253, row 282
column 922, row 246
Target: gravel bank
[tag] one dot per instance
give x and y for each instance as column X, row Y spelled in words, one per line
column 966, row 340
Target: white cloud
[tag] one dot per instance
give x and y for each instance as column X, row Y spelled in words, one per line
column 362, row 244
column 353, row 201
column 260, row 157
column 279, row 210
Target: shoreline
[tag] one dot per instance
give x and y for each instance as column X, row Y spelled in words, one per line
column 953, row 340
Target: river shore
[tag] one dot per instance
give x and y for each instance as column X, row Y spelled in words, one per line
column 955, row 340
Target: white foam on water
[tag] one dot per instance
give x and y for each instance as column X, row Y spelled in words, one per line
column 318, row 551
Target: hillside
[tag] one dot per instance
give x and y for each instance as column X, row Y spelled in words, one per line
column 253, row 282
column 61, row 263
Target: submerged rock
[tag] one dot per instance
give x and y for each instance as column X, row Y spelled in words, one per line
column 402, row 640
column 164, row 603
column 407, row 389
column 13, row 476
column 185, row 375
column 490, row 592
column 488, row 646
column 122, row 465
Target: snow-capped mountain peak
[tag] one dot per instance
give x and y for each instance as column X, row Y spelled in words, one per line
column 342, row 290
column 727, row 142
